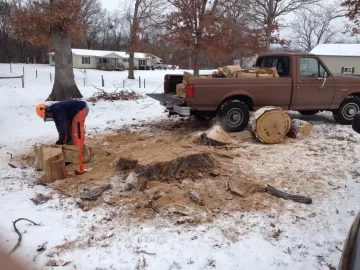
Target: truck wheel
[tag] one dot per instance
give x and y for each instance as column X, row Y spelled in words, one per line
column 347, row 110
column 233, row 115
column 312, row 112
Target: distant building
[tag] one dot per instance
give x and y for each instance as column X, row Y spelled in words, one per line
column 94, row 59
column 340, row 58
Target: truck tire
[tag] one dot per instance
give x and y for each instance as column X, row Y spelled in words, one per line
column 309, row 112
column 347, row 110
column 233, row 115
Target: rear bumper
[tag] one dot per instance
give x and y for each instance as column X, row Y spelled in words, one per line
column 172, row 103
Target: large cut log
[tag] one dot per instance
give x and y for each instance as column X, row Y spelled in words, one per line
column 271, row 71
column 270, row 125
column 70, row 152
column 230, row 71
column 300, row 129
column 54, row 164
column 215, row 136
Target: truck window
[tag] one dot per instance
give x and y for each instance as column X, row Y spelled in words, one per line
column 311, row 67
column 280, row 62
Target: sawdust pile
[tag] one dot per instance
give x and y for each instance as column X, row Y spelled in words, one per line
column 144, row 175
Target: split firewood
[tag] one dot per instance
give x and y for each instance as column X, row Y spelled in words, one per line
column 300, row 129
column 267, row 71
column 54, row 165
column 286, row 196
column 70, row 152
column 230, row 71
column 181, row 90
column 186, row 78
column 270, row 125
column 215, row 136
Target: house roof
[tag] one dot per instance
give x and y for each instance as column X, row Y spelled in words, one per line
column 98, row 53
column 337, row 49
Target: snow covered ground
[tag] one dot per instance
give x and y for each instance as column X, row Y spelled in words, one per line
column 291, row 237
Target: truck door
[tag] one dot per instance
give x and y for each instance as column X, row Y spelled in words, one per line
column 312, row 91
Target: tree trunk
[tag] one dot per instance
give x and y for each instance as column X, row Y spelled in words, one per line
column 196, row 65
column 131, row 66
column 64, row 85
column 270, row 125
column 270, row 19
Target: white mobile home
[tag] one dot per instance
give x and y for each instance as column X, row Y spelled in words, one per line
column 340, row 58
column 95, row 59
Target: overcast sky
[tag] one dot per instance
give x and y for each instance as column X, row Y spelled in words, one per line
column 116, row 4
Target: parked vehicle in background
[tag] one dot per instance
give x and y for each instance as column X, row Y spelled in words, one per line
column 159, row 65
column 304, row 84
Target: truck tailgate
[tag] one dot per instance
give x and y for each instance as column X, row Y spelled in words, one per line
column 172, row 103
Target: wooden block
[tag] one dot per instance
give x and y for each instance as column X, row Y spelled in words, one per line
column 186, row 78
column 181, row 90
column 54, row 164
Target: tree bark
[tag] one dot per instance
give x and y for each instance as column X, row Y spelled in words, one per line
column 64, row 84
column 270, row 20
column 300, row 129
column 133, row 36
column 131, row 66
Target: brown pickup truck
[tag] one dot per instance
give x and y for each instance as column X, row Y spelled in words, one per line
column 304, row 84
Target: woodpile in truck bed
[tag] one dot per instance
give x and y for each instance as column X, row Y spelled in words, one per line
column 228, row 72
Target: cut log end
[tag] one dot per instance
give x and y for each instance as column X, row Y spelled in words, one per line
column 270, row 125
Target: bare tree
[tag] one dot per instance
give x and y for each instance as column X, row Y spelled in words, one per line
column 314, row 26
column 93, row 15
column 141, row 15
column 266, row 14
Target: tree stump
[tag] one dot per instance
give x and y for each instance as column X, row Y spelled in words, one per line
column 300, row 129
column 270, row 125
column 54, row 164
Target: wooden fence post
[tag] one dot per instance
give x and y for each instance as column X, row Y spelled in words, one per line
column 50, row 78
column 102, row 81
column 36, row 74
column 10, row 69
column 123, row 83
column 139, row 82
column 22, row 81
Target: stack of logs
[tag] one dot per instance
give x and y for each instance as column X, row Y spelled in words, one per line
column 228, row 72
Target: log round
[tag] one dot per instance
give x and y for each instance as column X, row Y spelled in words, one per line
column 270, row 125
column 300, row 129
